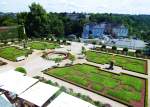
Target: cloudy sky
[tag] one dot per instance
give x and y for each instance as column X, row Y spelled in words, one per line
column 96, row 6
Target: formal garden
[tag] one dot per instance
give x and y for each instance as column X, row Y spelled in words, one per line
column 124, row 88
column 43, row 45
column 12, row 53
column 131, row 64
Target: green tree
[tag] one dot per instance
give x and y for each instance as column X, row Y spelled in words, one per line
column 37, row 21
column 114, row 48
column 125, row 51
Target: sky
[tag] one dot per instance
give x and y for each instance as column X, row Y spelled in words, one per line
column 88, row 6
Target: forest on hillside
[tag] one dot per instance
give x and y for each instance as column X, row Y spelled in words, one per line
column 39, row 23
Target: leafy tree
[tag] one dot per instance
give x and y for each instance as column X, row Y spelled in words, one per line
column 37, row 21
column 138, row 52
column 114, row 48
column 103, row 47
column 125, row 51
column 7, row 20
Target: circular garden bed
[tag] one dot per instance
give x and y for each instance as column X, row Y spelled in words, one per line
column 53, row 55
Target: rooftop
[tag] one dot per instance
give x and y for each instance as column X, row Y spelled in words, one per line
column 39, row 93
column 66, row 100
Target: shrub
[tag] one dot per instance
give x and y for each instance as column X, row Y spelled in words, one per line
column 71, row 57
column 103, row 47
column 58, row 41
column 64, row 41
column 138, row 51
column 62, row 88
column 125, row 49
column 49, row 82
column 21, row 69
column 52, row 39
column 114, row 48
column 94, row 42
column 83, row 50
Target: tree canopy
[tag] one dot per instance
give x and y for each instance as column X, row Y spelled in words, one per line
column 39, row 23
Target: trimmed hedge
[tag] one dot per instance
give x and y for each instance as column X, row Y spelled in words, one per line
column 21, row 69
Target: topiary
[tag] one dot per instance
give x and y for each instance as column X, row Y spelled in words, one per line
column 21, row 69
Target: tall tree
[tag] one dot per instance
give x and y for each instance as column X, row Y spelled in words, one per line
column 37, row 21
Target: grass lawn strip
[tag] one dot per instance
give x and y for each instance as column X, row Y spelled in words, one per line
column 11, row 53
column 42, row 45
column 123, row 87
column 125, row 95
column 130, row 64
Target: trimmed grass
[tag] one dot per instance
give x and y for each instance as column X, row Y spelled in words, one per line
column 123, row 87
column 11, row 53
column 125, row 95
column 135, row 65
column 42, row 45
column 132, row 81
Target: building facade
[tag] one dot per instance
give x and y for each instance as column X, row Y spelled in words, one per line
column 98, row 30
column 120, row 31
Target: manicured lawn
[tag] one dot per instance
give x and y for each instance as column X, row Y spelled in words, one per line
column 11, row 53
column 135, row 65
column 123, row 87
column 42, row 45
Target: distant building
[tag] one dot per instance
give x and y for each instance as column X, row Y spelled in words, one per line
column 96, row 30
column 104, row 28
column 75, row 16
column 120, row 31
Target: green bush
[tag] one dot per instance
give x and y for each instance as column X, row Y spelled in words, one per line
column 138, row 51
column 114, row 48
column 21, row 69
column 103, row 47
column 125, row 49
